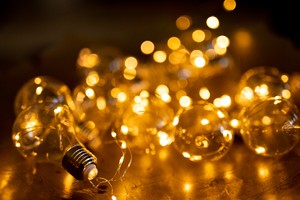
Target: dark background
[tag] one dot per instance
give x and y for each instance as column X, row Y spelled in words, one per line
column 44, row 37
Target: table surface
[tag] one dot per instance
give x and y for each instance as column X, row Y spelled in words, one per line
column 39, row 38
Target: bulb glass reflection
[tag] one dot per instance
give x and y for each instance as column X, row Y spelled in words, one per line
column 270, row 127
column 202, row 132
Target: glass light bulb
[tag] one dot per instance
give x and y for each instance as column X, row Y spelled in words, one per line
column 46, row 89
column 100, row 101
column 203, row 132
column 146, row 124
column 46, row 133
column 261, row 83
column 270, row 127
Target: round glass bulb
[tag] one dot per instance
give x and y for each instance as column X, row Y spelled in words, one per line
column 261, row 83
column 270, row 127
column 46, row 133
column 203, row 132
column 146, row 124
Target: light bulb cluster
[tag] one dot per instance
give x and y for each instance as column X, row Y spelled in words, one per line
column 188, row 94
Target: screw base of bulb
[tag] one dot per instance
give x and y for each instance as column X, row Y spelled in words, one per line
column 80, row 163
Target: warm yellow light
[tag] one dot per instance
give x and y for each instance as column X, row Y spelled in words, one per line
column 138, row 109
column 247, row 93
column 234, row 123
column 186, row 154
column 129, row 73
column 39, row 90
column 174, row 43
column 262, row 90
column 260, row 150
column 37, row 80
column 124, row 129
column 115, row 92
column 227, row 135
column 164, row 139
column 263, row 171
column 144, row 94
column 223, row 41
column 204, row 93
column 200, row 62
column 131, row 62
column 113, row 134
column 89, row 92
column 159, row 56
column 162, row 89
column 122, row 97
column 220, row 114
column 183, row 22
column 204, row 122
column 225, row 100
column 212, row 22
column 101, row 103
column 266, row 120
column 219, row 50
column 187, row 187
column 286, row 94
column 217, row 102
column 198, row 35
column 185, row 101
column 147, row 47
column 284, row 78
column 178, row 56
column 58, row 110
column 92, row 79
column 229, row 5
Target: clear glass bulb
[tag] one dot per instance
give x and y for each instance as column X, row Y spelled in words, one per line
column 202, row 132
column 46, row 89
column 261, row 83
column 146, row 124
column 270, row 127
column 46, row 133
column 99, row 100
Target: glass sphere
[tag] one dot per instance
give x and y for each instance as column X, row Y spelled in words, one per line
column 99, row 101
column 202, row 132
column 261, row 83
column 270, row 127
column 43, row 128
column 146, row 124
